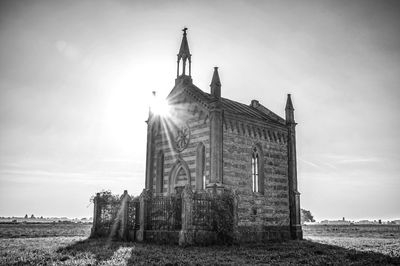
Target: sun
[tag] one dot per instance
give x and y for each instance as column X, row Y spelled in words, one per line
column 159, row 106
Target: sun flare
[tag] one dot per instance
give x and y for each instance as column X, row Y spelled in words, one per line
column 160, row 106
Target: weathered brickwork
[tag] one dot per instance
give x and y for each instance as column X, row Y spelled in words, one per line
column 199, row 126
column 211, row 143
column 255, row 209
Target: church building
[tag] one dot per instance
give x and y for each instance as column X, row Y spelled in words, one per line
column 209, row 142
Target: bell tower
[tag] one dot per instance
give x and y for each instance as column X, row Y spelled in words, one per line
column 184, row 56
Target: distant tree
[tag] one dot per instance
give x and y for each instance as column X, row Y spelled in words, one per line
column 32, row 216
column 26, row 216
column 306, row 216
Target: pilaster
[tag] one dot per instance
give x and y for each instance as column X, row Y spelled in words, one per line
column 149, row 153
column 216, row 144
column 144, row 198
column 96, row 215
column 124, row 215
column 294, row 195
column 186, row 235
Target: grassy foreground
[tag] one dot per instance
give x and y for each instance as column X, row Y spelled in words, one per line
column 25, row 245
column 78, row 251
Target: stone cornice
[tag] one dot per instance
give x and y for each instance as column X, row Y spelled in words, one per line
column 254, row 122
column 256, row 130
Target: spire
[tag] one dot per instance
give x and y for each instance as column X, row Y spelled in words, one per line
column 215, row 84
column 289, row 110
column 184, row 55
column 289, row 104
column 184, row 50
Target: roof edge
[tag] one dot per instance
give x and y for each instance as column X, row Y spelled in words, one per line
column 257, row 105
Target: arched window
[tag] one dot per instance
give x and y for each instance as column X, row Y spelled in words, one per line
column 257, row 173
column 200, row 167
column 254, row 170
column 179, row 176
column 160, row 173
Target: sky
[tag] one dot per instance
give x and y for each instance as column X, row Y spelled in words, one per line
column 76, row 79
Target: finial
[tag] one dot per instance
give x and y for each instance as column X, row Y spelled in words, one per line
column 215, row 79
column 289, row 104
column 184, row 55
column 216, row 84
column 289, row 110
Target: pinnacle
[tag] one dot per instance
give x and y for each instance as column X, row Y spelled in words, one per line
column 215, row 79
column 184, row 51
column 289, row 104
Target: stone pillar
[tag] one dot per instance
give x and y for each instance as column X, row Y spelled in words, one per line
column 149, row 153
column 124, row 215
column 216, row 144
column 236, row 236
column 96, row 216
column 144, row 197
column 294, row 196
column 186, row 235
column 177, row 67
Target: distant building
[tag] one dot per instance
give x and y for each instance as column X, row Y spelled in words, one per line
column 366, row 222
column 338, row 222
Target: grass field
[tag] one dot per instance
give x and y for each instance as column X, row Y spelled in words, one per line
column 23, row 230
column 383, row 239
column 55, row 245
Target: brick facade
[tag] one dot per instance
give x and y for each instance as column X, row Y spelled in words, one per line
column 199, row 126
column 271, row 205
column 247, row 149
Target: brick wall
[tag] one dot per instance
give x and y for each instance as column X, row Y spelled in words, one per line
column 198, row 123
column 257, row 209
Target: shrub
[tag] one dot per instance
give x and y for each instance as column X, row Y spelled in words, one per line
column 223, row 217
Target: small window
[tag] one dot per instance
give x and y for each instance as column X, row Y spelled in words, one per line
column 254, row 171
column 257, row 175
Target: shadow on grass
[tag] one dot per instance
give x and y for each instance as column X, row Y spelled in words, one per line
column 289, row 252
column 101, row 248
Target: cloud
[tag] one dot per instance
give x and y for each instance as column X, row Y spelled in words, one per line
column 320, row 161
column 359, row 160
column 309, row 163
